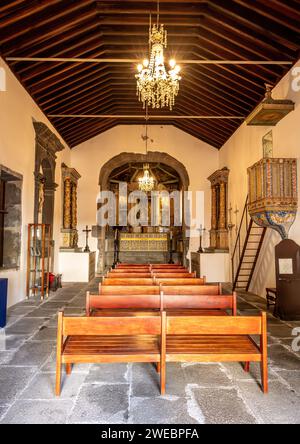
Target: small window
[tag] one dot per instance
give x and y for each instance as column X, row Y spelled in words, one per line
column 10, row 218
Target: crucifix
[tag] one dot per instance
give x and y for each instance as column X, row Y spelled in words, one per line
column 86, row 231
column 236, row 211
column 202, row 233
column 230, row 224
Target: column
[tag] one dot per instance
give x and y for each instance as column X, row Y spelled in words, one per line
column 214, row 222
column 67, row 203
column 69, row 221
column 223, row 232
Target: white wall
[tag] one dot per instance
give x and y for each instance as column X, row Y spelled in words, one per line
column 17, row 152
column 199, row 158
column 243, row 149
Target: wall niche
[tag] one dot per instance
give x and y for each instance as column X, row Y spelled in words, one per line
column 10, row 218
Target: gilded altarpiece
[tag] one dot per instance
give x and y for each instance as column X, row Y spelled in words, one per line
column 70, row 179
column 219, row 228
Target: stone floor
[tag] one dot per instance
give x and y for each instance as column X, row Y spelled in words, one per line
column 128, row 393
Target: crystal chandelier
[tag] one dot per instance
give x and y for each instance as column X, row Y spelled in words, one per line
column 146, row 183
column 156, row 86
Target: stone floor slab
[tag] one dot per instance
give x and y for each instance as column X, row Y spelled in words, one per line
column 223, row 406
column 109, row 373
column 279, row 406
column 281, row 358
column 159, row 410
column 12, row 381
column 42, row 386
column 24, row 326
column 101, row 403
column 42, row 412
column 32, row 354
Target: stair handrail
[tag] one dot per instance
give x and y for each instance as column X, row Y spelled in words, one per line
column 237, row 246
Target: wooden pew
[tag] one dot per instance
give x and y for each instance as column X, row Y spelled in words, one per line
column 128, row 290
column 215, row 339
column 173, row 275
column 136, row 305
column 166, row 266
column 130, row 270
column 128, row 275
column 128, row 281
column 119, row 266
column 107, row 339
column 169, row 270
column 180, row 281
column 176, row 290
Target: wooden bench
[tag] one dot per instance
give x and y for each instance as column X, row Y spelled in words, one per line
column 173, row 275
column 128, row 281
column 128, row 290
column 191, row 289
column 128, row 275
column 169, row 270
column 166, row 266
column 107, row 339
column 179, row 281
column 215, row 339
column 135, row 305
column 130, row 270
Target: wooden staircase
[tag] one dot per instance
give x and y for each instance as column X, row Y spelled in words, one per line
column 246, row 251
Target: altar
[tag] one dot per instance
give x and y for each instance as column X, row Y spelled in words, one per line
column 144, row 242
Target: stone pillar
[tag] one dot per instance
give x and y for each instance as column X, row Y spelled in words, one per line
column 219, row 230
column 69, row 224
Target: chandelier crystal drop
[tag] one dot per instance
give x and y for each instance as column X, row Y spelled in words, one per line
column 157, row 87
column 146, row 183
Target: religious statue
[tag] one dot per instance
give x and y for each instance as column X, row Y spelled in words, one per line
column 41, row 196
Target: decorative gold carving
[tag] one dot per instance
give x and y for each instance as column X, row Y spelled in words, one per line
column 219, row 229
column 143, row 242
column 67, row 203
column 74, row 205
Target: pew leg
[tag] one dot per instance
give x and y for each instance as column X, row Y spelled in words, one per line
column 264, row 374
column 246, row 366
column 68, row 368
column 158, row 367
column 58, row 378
column 162, row 378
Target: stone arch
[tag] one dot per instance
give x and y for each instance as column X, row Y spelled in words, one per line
column 46, row 145
column 125, row 158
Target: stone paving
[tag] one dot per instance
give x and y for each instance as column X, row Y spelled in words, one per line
column 129, row 393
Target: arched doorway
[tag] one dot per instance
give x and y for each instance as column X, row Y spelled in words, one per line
column 155, row 160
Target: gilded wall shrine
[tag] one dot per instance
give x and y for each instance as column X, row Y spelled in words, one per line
column 69, row 232
column 219, row 223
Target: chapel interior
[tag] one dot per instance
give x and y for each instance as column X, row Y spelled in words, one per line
column 149, row 183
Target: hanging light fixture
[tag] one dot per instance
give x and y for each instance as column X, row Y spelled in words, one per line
column 156, row 86
column 146, row 182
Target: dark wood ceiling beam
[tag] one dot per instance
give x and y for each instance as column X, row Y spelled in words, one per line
column 34, row 33
column 90, row 41
column 59, row 17
column 291, row 23
column 37, row 47
column 243, row 33
column 256, row 23
column 139, row 8
column 30, row 8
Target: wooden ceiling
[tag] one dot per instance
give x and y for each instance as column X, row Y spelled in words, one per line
column 211, row 30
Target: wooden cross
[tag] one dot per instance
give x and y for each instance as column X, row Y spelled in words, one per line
column 86, row 231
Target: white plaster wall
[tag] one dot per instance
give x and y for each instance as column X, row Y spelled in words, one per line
column 199, row 158
column 17, row 152
column 245, row 148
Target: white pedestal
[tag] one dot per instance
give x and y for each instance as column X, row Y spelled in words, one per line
column 77, row 266
column 215, row 266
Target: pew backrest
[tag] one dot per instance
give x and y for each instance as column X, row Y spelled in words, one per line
column 164, row 275
column 128, row 290
column 180, row 281
column 128, row 275
column 127, row 281
column 215, row 325
column 191, row 289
